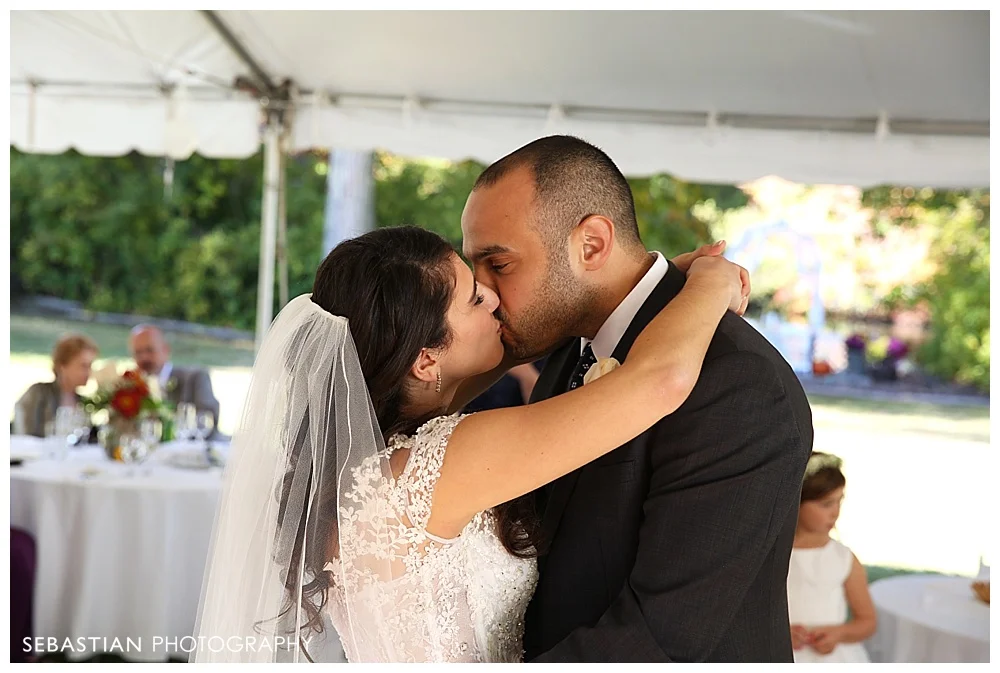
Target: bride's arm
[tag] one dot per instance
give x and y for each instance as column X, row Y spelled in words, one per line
column 474, row 386
column 495, row 456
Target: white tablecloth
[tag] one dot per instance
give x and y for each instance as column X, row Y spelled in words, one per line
column 118, row 555
column 929, row 618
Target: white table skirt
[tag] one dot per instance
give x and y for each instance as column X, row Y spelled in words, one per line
column 929, row 618
column 118, row 556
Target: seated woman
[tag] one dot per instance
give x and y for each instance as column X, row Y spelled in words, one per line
column 72, row 359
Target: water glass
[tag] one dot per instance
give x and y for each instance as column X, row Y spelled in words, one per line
column 204, row 425
column 69, row 428
column 134, row 451
column 184, row 421
column 151, row 430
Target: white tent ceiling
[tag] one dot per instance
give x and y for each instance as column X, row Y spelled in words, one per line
column 842, row 97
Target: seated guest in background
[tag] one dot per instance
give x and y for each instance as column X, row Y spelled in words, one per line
column 512, row 390
column 177, row 384
column 72, row 359
column 829, row 607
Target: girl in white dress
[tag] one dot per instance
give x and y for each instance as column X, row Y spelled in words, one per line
column 824, row 576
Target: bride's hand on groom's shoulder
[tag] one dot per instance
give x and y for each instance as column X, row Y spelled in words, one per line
column 731, row 276
column 683, row 262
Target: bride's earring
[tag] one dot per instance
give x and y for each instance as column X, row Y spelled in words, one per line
column 437, row 389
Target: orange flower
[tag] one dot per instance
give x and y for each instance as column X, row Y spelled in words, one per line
column 138, row 383
column 127, row 402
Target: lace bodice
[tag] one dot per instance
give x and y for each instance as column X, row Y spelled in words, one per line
column 458, row 600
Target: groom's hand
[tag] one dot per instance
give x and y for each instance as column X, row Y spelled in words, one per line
column 683, row 262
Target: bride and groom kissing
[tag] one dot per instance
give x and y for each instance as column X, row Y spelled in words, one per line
column 642, row 513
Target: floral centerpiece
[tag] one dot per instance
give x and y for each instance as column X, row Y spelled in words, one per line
column 125, row 399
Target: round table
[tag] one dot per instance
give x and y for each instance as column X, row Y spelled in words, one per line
column 929, row 618
column 121, row 549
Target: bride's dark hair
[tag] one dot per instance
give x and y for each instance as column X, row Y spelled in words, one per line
column 394, row 285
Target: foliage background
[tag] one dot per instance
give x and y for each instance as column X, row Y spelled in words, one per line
column 106, row 233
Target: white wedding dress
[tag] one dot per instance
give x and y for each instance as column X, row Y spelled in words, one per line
column 458, row 600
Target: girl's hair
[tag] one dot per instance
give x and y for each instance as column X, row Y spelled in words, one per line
column 823, row 476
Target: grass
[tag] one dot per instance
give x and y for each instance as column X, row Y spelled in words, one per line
column 918, row 475
column 35, row 336
column 970, row 422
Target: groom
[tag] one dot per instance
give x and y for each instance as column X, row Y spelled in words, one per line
column 675, row 546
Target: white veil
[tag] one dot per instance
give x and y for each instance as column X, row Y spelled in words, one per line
column 288, row 548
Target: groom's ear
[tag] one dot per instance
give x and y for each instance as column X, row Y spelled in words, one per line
column 426, row 366
column 592, row 242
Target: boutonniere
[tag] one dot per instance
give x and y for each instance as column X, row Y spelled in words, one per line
column 600, row 368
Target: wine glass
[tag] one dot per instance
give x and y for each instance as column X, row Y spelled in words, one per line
column 133, row 450
column 203, row 427
column 151, row 433
column 184, row 421
column 64, row 421
column 80, row 427
column 68, row 427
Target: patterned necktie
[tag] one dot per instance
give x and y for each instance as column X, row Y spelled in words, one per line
column 587, row 359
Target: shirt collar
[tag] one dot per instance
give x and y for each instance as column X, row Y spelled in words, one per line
column 611, row 332
column 165, row 373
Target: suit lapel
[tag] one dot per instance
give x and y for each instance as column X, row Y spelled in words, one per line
column 173, row 391
column 553, row 379
column 562, row 488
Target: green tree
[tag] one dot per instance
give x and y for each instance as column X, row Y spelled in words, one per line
column 432, row 194
column 667, row 213
column 958, row 293
column 103, row 232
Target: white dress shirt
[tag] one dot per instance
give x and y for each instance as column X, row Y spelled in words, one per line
column 613, row 329
column 164, row 376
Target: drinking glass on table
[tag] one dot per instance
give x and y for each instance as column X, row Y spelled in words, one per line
column 151, row 433
column 185, row 419
column 204, row 425
column 133, row 451
column 80, row 427
column 69, row 428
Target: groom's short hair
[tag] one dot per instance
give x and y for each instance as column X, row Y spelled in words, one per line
column 573, row 179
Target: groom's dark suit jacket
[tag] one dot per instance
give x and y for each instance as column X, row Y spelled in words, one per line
column 675, row 546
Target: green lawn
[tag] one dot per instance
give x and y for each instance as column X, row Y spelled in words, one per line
column 918, row 474
column 31, row 335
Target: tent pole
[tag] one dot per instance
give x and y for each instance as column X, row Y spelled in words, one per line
column 283, row 225
column 269, row 225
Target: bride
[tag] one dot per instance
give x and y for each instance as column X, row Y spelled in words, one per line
column 357, row 502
